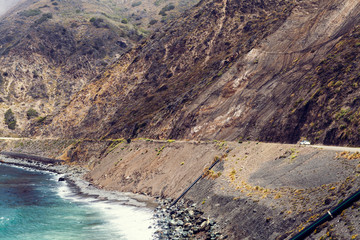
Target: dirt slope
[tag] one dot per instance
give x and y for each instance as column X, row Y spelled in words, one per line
column 257, row 191
column 49, row 50
column 274, row 70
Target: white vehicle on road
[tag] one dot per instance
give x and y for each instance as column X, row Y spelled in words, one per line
column 305, row 142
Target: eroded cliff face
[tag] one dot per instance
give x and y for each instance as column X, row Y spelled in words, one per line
column 301, row 81
column 151, row 90
column 51, row 49
column 274, row 71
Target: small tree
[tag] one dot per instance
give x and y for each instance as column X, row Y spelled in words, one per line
column 31, row 113
column 135, row 4
column 10, row 119
column 153, row 21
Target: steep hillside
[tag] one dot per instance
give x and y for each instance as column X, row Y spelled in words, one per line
column 50, row 49
column 169, row 69
column 276, row 71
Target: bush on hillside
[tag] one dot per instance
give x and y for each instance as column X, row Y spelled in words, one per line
column 31, row 113
column 158, row 2
column 153, row 21
column 135, row 4
column 30, row 13
column 41, row 119
column 165, row 9
column 43, row 18
column 10, row 119
column 99, row 22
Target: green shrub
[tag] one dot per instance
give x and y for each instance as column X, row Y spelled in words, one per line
column 35, row 74
column 124, row 21
column 165, row 9
column 135, row 4
column 342, row 113
column 44, row 18
column 153, row 21
column 31, row 113
column 338, row 84
column 99, row 22
column 158, row 2
column 41, row 119
column 10, row 119
column 30, row 13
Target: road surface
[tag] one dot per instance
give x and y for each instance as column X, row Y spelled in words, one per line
column 337, row 148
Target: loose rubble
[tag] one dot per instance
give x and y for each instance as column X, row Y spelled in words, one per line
column 183, row 221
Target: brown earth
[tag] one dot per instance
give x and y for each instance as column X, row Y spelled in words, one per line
column 262, row 70
column 257, row 191
column 49, row 50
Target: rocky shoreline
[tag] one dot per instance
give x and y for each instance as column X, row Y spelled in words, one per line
column 184, row 221
column 73, row 175
column 180, row 221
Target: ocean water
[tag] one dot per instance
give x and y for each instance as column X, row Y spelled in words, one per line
column 35, row 206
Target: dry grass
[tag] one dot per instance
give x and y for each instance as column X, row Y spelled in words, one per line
column 348, row 155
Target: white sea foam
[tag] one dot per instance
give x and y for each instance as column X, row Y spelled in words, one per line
column 108, row 212
column 128, row 221
column 3, row 220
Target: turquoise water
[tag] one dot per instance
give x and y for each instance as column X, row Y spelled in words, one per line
column 34, row 206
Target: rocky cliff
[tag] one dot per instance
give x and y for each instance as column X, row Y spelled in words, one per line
column 269, row 70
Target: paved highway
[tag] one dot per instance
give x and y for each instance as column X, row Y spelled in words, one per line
column 337, row 148
column 333, row 148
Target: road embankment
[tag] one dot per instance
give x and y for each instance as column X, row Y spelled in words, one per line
column 258, row 190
